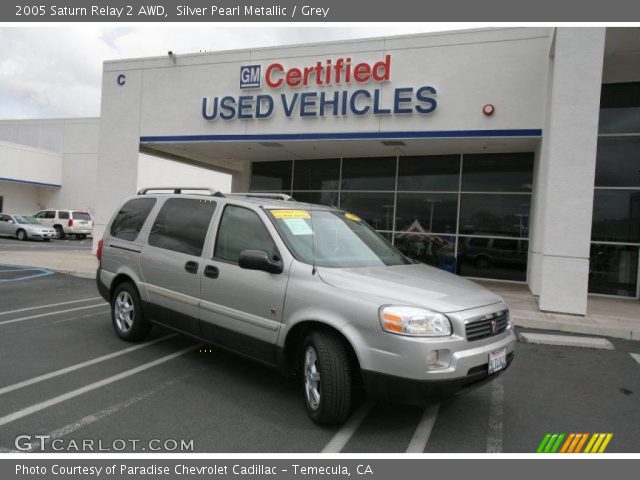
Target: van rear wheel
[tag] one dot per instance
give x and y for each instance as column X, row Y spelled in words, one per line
column 327, row 378
column 127, row 316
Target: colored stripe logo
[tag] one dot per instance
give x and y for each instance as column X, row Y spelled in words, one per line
column 574, row 443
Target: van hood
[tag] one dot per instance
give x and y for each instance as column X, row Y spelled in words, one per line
column 417, row 284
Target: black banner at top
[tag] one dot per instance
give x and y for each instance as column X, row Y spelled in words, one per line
column 318, row 11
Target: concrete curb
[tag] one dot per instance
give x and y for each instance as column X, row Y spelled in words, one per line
column 627, row 333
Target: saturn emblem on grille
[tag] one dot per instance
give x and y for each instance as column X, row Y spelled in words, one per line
column 494, row 326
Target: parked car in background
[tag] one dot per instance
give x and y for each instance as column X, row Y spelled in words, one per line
column 311, row 290
column 67, row 222
column 24, row 227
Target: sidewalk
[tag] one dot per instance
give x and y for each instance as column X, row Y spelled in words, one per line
column 79, row 263
column 606, row 316
column 609, row 317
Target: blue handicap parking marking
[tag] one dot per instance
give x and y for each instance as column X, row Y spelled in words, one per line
column 16, row 273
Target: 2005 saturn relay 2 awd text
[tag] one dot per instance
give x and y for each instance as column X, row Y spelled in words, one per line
column 311, row 290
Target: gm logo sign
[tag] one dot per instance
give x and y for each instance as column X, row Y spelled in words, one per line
column 250, row 76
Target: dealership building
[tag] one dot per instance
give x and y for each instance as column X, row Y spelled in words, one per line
column 510, row 154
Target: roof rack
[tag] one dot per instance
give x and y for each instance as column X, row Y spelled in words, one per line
column 273, row 196
column 179, row 190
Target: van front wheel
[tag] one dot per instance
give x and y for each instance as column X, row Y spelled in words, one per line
column 326, row 378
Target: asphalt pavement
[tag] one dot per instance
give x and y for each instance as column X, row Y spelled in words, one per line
column 13, row 244
column 65, row 374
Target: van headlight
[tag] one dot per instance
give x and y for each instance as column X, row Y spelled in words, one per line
column 414, row 321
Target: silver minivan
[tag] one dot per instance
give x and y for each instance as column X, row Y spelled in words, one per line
column 310, row 290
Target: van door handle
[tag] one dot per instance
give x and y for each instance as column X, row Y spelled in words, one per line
column 191, row 267
column 211, row 271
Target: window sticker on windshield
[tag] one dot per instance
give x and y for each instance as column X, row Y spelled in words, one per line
column 297, row 226
column 290, row 214
column 353, row 217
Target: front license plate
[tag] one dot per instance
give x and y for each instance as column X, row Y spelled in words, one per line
column 497, row 360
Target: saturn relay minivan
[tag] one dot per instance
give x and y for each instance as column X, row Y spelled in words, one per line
column 311, row 290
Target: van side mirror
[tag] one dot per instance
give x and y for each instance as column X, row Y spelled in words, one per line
column 259, row 260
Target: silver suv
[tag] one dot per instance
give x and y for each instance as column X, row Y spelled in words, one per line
column 311, row 290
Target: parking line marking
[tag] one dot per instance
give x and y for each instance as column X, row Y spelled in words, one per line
column 12, row 417
column 568, row 341
column 20, row 270
column 423, row 431
column 496, row 413
column 77, row 366
column 342, row 436
column 635, row 356
column 50, row 305
column 50, row 314
column 105, row 412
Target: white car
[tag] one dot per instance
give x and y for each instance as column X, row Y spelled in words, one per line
column 24, row 228
column 67, row 222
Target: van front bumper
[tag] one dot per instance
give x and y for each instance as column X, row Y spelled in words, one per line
column 418, row 392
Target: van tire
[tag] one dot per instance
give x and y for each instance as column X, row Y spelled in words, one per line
column 60, row 231
column 335, row 381
column 126, row 294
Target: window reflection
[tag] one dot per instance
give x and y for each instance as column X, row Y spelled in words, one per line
column 618, row 162
column 271, row 176
column 616, row 216
column 498, row 172
column 438, row 172
column 435, row 250
column 369, row 173
column 327, row 198
column 374, row 208
column 500, row 258
column 316, row 174
column 504, row 215
column 613, row 269
column 426, row 213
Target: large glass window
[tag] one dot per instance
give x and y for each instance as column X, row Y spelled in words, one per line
column 500, row 258
column 616, row 216
column 271, row 176
column 618, row 162
column 182, row 225
column 443, row 204
column 374, row 208
column 130, row 218
column 497, row 172
column 490, row 214
column 427, row 212
column 241, row 229
column 316, row 174
column 327, row 198
column 620, row 108
column 369, row 173
column 439, row 172
column 613, row 270
column 616, row 202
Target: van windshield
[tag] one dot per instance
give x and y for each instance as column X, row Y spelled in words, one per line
column 336, row 239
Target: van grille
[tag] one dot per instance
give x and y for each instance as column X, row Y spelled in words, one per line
column 482, row 327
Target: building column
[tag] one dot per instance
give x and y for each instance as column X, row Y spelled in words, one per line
column 240, row 180
column 119, row 144
column 565, row 170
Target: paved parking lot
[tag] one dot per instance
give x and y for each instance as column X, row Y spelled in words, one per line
column 13, row 244
column 64, row 373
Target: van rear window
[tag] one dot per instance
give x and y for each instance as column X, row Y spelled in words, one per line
column 131, row 217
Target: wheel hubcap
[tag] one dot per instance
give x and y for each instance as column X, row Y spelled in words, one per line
column 312, row 378
column 124, row 311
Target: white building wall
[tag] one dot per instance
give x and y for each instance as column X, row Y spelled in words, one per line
column 154, row 172
column 18, row 198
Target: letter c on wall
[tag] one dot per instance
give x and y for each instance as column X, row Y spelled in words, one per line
column 121, row 79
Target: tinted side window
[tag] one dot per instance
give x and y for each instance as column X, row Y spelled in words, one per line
column 182, row 224
column 63, row 215
column 241, row 229
column 50, row 214
column 131, row 217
